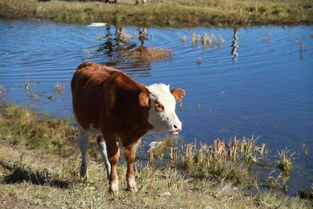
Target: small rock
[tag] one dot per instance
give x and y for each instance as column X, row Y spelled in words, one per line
column 51, row 97
column 165, row 194
column 47, row 172
column 35, row 97
column 199, row 61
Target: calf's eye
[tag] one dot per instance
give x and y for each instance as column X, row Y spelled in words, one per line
column 158, row 106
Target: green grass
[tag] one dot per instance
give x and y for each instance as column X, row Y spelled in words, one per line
column 39, row 168
column 174, row 13
column 20, row 126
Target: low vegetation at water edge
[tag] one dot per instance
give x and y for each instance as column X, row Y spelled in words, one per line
column 149, row 54
column 39, row 167
column 182, row 13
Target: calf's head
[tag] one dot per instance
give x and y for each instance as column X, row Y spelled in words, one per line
column 162, row 103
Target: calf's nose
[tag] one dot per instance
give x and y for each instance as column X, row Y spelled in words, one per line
column 177, row 126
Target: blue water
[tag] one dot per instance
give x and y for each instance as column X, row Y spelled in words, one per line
column 266, row 91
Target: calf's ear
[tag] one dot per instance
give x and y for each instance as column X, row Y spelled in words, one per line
column 144, row 99
column 178, row 94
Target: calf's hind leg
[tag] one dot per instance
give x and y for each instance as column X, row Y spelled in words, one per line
column 83, row 143
column 104, row 153
column 113, row 155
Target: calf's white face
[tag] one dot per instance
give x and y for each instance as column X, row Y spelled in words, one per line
column 162, row 114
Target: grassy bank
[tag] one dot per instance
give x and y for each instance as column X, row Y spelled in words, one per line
column 174, row 13
column 39, row 168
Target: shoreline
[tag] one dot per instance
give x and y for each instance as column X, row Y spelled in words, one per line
column 224, row 13
column 33, row 143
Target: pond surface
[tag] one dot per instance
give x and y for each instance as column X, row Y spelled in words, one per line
column 260, row 82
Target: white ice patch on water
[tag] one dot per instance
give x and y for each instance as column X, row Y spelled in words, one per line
column 97, row 24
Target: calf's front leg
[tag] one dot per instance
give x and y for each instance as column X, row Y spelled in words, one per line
column 130, row 155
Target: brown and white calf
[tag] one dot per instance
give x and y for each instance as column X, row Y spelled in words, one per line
column 107, row 101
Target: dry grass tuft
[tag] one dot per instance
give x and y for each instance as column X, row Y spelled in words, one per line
column 285, row 160
column 210, row 41
column 223, row 161
column 163, row 147
column 126, row 37
column 221, row 41
column 277, row 181
column 183, row 39
column 148, row 55
column 195, row 38
column 59, row 87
